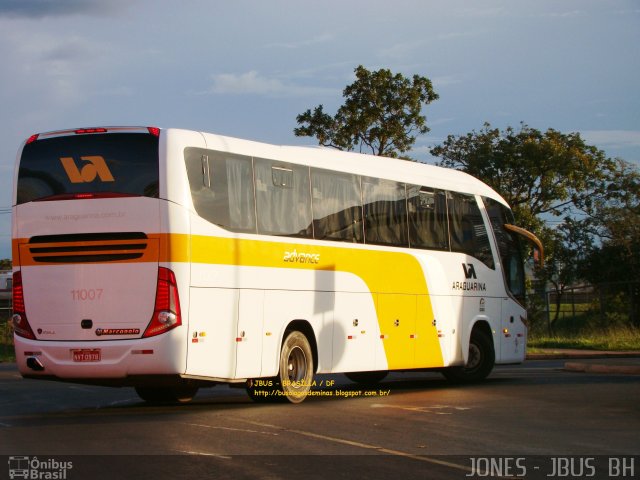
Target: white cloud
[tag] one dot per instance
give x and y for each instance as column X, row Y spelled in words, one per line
column 57, row 8
column 249, row 82
column 53, row 66
column 330, row 71
column 401, row 50
column 252, row 83
column 566, row 14
column 317, row 40
column 461, row 35
column 483, row 11
column 440, row 121
column 446, row 80
column 613, row 138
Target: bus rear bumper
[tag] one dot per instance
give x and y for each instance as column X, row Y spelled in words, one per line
column 103, row 362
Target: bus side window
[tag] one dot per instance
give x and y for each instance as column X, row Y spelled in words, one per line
column 428, row 226
column 337, row 209
column 222, row 188
column 385, row 212
column 467, row 229
column 283, row 199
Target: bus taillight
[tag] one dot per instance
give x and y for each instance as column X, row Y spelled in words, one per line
column 21, row 326
column 166, row 314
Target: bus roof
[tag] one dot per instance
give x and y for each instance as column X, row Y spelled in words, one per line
column 414, row 173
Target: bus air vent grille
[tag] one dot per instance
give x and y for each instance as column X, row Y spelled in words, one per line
column 88, row 247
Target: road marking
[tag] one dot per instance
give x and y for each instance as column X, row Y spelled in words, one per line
column 204, row 454
column 430, row 409
column 229, row 428
column 82, row 389
column 120, row 402
column 367, row 446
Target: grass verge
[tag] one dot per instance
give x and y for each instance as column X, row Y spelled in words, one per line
column 616, row 340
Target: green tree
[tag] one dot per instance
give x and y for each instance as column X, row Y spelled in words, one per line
column 381, row 113
column 536, row 172
column 615, row 217
column 615, row 222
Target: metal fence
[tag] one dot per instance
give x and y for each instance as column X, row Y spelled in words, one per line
column 603, row 306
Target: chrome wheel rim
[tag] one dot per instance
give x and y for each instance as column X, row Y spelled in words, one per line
column 296, row 365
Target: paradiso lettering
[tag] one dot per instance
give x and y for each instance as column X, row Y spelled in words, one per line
column 295, row 257
column 96, row 168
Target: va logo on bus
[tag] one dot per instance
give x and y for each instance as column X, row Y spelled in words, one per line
column 96, row 167
column 469, row 271
column 469, row 274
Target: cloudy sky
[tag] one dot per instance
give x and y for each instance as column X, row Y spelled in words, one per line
column 246, row 68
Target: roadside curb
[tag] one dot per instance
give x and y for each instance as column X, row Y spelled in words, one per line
column 580, row 354
column 593, row 361
column 600, row 368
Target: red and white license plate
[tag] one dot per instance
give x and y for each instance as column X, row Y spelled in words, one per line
column 86, row 355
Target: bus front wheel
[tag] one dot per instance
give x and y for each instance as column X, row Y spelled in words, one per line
column 479, row 363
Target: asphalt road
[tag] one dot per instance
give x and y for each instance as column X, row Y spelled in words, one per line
column 409, row 426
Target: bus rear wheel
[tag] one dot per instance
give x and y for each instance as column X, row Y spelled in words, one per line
column 480, row 361
column 167, row 394
column 296, row 368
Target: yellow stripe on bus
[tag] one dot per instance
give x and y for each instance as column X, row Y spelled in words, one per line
column 401, row 295
column 399, row 290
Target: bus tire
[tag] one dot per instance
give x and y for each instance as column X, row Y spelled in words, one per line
column 367, row 378
column 167, row 394
column 480, row 361
column 295, row 375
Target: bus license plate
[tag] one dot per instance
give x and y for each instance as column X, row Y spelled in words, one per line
column 86, row 355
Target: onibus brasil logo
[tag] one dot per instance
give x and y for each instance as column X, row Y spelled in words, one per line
column 36, row 469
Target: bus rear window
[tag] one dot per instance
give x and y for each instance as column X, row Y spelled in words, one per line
column 114, row 164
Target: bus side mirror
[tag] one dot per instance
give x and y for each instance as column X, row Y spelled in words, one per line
column 538, row 249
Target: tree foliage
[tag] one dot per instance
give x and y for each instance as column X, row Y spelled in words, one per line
column 615, row 221
column 536, row 172
column 381, row 114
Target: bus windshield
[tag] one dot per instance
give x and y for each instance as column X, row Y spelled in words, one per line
column 111, row 164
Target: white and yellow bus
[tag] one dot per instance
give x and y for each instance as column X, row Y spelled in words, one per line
column 168, row 260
